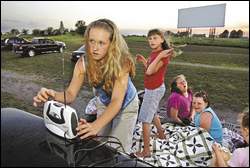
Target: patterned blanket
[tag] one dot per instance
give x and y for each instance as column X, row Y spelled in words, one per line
column 232, row 139
column 186, row 146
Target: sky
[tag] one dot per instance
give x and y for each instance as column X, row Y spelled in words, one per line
column 132, row 17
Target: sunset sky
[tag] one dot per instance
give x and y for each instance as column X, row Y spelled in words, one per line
column 134, row 16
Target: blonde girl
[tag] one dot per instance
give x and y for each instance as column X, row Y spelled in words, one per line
column 108, row 67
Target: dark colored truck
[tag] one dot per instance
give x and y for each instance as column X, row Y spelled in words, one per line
column 7, row 43
column 38, row 45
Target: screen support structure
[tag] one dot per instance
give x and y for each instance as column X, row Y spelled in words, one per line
column 212, row 32
column 189, row 31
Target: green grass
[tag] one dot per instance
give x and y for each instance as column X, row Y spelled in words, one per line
column 8, row 100
column 47, row 65
column 226, row 42
column 227, row 88
column 210, row 55
column 72, row 41
column 215, row 55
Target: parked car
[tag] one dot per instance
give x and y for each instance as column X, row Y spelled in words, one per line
column 75, row 55
column 39, row 45
column 7, row 43
column 2, row 43
column 28, row 143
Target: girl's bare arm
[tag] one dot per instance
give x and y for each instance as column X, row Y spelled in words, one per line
column 157, row 63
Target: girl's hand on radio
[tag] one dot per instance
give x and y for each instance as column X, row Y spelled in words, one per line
column 82, row 121
column 43, row 96
column 85, row 129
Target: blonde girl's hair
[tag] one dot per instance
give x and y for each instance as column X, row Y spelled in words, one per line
column 117, row 58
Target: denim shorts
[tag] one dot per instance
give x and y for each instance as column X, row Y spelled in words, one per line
column 150, row 103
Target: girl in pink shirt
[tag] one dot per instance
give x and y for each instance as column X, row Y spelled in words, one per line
column 179, row 102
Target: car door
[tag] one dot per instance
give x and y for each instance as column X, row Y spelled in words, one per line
column 41, row 45
column 46, row 46
column 54, row 46
column 50, row 46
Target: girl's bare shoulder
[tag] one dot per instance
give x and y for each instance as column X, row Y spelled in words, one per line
column 80, row 65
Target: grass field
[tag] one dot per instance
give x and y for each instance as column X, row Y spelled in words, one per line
column 228, row 89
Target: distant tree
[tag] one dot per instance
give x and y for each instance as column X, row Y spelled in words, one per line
column 80, row 27
column 14, row 31
column 183, row 34
column 61, row 29
column 50, row 30
column 56, row 32
column 224, row 34
column 25, row 31
column 240, row 33
column 45, row 32
column 199, row 35
column 72, row 32
column 36, row 32
column 80, row 23
column 233, row 34
column 168, row 33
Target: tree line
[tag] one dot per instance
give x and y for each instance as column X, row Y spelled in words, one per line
column 224, row 34
column 50, row 31
column 232, row 34
column 81, row 27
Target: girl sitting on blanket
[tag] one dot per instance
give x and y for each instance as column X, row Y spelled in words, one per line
column 240, row 157
column 205, row 117
column 179, row 103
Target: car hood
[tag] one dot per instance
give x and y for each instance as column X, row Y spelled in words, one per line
column 78, row 52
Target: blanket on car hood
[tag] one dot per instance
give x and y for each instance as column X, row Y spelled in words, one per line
column 185, row 146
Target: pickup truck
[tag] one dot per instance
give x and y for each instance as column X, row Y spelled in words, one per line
column 7, row 43
column 39, row 45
